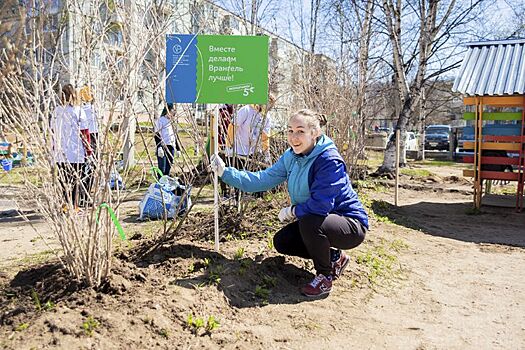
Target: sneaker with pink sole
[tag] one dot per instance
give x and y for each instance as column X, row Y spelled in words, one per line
column 340, row 265
column 320, row 285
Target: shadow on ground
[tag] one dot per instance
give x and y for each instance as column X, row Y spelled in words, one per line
column 245, row 282
column 14, row 216
column 458, row 221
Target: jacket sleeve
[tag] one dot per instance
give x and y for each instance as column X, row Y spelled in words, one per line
column 258, row 181
column 328, row 181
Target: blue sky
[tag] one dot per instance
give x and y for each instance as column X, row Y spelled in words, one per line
column 285, row 21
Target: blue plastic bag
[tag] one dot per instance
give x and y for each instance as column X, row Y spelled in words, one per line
column 115, row 181
column 165, row 199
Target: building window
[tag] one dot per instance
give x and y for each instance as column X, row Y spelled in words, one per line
column 35, row 8
column 95, row 59
column 114, row 37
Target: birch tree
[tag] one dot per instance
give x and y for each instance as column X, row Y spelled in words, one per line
column 255, row 14
column 429, row 56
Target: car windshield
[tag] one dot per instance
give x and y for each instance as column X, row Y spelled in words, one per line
column 437, row 131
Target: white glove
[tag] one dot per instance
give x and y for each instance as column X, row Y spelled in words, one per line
column 287, row 214
column 177, row 154
column 160, row 152
column 217, row 164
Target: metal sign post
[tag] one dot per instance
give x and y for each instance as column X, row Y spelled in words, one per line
column 396, row 195
column 215, row 142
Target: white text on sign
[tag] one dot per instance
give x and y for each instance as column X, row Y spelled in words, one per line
column 221, row 49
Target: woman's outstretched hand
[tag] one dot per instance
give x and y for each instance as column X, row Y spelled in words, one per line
column 217, row 164
column 287, row 214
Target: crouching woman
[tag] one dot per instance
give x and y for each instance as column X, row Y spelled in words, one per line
column 326, row 215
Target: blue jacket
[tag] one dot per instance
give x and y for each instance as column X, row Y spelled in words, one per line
column 317, row 182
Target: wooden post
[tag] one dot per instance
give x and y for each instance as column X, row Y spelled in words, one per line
column 478, row 139
column 396, row 194
column 451, row 145
column 214, row 148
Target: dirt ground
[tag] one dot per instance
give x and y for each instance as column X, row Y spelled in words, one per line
column 432, row 274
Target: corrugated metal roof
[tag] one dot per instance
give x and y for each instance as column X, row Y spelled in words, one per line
column 492, row 68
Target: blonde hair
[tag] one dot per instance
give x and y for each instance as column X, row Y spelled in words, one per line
column 86, row 94
column 313, row 119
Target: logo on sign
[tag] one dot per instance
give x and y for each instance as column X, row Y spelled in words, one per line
column 177, row 49
column 246, row 89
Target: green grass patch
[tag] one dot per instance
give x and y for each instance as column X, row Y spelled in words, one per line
column 37, row 258
column 416, row 172
column 380, row 262
column 18, row 176
column 198, row 326
column 437, row 162
column 375, row 158
column 503, row 189
column 369, row 184
column 89, row 325
column 21, row 327
column 380, row 211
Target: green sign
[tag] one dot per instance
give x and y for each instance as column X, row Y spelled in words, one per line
column 217, row 69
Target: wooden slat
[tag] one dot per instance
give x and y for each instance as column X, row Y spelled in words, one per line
column 493, row 160
column 500, row 101
column 468, row 172
column 494, row 116
column 502, row 146
column 493, row 175
column 492, row 138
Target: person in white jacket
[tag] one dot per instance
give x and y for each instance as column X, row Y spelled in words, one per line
column 70, row 142
column 166, row 140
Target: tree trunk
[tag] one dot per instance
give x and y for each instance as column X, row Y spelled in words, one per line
column 129, row 125
column 389, row 162
column 421, row 126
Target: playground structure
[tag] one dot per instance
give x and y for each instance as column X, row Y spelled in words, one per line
column 493, row 78
column 10, row 155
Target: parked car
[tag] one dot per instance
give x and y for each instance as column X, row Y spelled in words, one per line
column 437, row 137
column 467, row 134
column 384, row 129
column 410, row 141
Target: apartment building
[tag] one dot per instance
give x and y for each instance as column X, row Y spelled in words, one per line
column 118, row 45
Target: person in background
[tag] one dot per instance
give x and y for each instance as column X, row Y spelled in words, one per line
column 71, row 144
column 325, row 215
column 87, row 99
column 86, row 96
column 166, row 139
column 225, row 118
column 249, row 137
column 249, row 132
